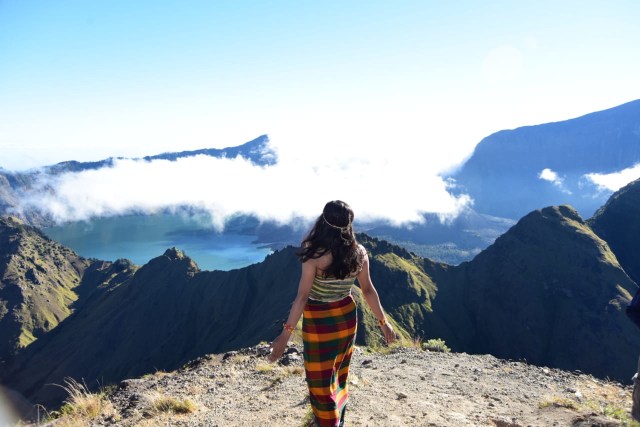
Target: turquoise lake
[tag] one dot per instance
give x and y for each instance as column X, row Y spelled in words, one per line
column 140, row 238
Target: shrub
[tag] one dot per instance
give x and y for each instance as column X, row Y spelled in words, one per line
column 436, row 345
column 82, row 405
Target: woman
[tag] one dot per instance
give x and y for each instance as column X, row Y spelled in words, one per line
column 331, row 261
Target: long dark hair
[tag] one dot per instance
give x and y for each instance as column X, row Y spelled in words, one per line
column 333, row 232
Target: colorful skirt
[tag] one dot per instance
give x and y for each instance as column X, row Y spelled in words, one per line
column 329, row 332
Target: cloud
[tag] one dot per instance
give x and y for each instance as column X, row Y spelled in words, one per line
column 616, row 180
column 551, row 176
column 396, row 187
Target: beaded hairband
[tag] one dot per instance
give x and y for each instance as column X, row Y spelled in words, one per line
column 346, row 227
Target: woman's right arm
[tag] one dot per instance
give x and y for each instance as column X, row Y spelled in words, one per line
column 304, row 287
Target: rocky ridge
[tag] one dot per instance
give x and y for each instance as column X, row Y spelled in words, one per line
column 404, row 387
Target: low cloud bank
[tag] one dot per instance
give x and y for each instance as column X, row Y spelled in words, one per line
column 616, row 180
column 391, row 188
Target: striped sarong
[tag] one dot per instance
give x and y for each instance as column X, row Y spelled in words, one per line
column 328, row 332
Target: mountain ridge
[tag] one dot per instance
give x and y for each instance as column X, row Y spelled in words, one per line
column 550, row 259
column 16, row 185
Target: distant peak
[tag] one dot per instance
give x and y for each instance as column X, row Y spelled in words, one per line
column 565, row 211
column 174, row 254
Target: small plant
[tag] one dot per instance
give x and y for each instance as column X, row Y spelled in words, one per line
column 612, row 411
column 265, row 367
column 600, row 408
column 437, row 345
column 278, row 373
column 82, row 405
column 559, row 402
column 239, row 359
column 161, row 403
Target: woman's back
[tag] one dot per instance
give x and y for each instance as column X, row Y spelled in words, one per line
column 326, row 288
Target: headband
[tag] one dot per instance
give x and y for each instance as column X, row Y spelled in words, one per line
column 342, row 229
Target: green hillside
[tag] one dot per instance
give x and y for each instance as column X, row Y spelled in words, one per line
column 170, row 312
column 549, row 291
column 38, row 281
column 618, row 222
column 43, row 282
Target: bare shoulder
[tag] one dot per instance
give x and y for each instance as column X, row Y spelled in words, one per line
column 362, row 250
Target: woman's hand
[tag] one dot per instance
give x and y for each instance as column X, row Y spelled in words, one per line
column 278, row 346
column 389, row 333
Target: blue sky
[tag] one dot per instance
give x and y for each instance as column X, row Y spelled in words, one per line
column 86, row 80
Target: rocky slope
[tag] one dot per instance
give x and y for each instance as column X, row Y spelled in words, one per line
column 405, row 387
column 618, row 222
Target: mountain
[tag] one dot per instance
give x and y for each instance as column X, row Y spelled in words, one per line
column 549, row 291
column 618, row 223
column 170, row 312
column 502, row 175
column 16, row 185
column 257, row 151
column 41, row 284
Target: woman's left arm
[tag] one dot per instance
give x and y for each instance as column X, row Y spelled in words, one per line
column 373, row 300
column 304, row 287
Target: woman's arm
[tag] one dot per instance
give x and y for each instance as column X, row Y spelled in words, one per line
column 373, row 300
column 304, row 287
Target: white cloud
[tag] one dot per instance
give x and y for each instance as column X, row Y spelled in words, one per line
column 379, row 184
column 616, row 180
column 551, row 176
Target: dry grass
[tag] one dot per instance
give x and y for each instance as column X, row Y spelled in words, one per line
column 600, row 398
column 278, row 373
column 559, row 402
column 240, row 359
column 157, row 374
column 160, row 403
column 82, row 406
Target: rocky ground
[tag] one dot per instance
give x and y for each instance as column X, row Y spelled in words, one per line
column 405, row 387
